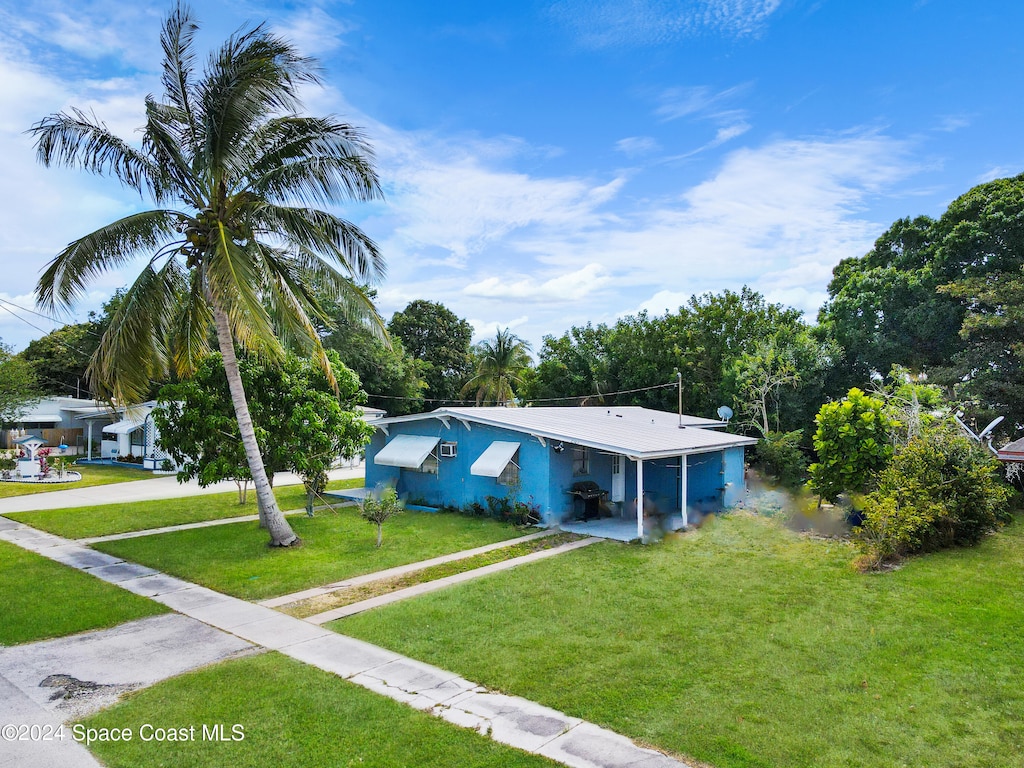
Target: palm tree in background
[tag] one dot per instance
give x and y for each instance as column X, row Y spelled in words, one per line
column 233, row 241
column 500, row 365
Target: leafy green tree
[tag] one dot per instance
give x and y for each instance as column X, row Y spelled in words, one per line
column 18, row 388
column 883, row 308
column 302, row 423
column 392, row 379
column 440, row 340
column 853, row 442
column 982, row 253
column 61, row 357
column 575, row 366
column 233, row 241
column 500, row 367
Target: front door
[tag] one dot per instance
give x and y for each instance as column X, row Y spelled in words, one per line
column 618, row 479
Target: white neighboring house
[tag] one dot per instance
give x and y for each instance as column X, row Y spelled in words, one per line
column 59, row 421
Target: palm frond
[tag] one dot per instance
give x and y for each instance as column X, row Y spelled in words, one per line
column 178, row 65
column 253, row 76
column 324, row 234
column 190, row 335
column 235, row 278
column 133, row 350
column 114, row 245
column 165, row 138
column 79, row 140
column 311, row 160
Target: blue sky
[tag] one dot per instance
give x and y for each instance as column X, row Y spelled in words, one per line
column 553, row 163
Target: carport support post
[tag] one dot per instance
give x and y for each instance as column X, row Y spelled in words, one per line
column 639, row 498
column 88, row 441
column 682, row 489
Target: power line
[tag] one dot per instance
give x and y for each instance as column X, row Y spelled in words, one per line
column 532, row 399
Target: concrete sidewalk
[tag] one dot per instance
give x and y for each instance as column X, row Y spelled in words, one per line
column 507, row 719
column 145, row 490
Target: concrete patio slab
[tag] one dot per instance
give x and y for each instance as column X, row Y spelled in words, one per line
column 82, row 673
column 587, row 746
column 340, row 655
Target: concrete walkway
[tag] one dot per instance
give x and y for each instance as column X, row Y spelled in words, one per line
column 398, row 570
column 507, row 719
column 145, row 490
column 432, row 586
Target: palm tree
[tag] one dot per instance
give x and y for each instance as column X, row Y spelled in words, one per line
column 233, row 240
column 499, row 369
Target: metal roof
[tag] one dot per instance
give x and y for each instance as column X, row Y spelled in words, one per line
column 628, row 430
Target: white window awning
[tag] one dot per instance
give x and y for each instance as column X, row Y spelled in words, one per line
column 493, row 461
column 125, row 426
column 406, row 451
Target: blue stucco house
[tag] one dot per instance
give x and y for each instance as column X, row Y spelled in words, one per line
column 584, row 468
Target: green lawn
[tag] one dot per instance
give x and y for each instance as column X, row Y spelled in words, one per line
column 235, row 558
column 42, row 599
column 92, row 474
column 82, row 522
column 292, row 716
column 744, row 645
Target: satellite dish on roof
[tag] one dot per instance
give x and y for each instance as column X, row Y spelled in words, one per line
column 725, row 413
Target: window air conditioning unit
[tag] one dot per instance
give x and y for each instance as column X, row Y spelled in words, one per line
column 449, row 450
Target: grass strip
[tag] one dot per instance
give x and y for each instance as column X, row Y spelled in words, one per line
column 44, row 599
column 745, row 645
column 106, row 519
column 236, row 560
column 290, row 716
column 92, row 474
column 347, row 596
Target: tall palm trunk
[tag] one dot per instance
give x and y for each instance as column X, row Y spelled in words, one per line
column 281, row 534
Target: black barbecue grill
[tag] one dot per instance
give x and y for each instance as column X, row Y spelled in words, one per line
column 587, row 496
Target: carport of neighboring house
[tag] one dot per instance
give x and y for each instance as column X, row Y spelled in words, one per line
column 583, row 468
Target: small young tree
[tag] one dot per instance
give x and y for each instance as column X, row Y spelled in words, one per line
column 378, row 509
column 853, row 441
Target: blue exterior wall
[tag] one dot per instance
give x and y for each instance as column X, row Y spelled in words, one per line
column 735, row 477
column 713, row 479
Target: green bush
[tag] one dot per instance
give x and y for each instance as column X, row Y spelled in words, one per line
column 778, row 455
column 941, row 490
column 852, row 442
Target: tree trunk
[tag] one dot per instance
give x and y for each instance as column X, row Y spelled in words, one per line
column 281, row 534
column 380, row 534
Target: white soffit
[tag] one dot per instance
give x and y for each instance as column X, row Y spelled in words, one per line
column 406, row 451
column 493, row 461
column 125, row 426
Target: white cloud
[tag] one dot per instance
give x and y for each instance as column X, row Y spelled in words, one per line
column 571, row 286
column 314, row 32
column 636, row 146
column 612, row 23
